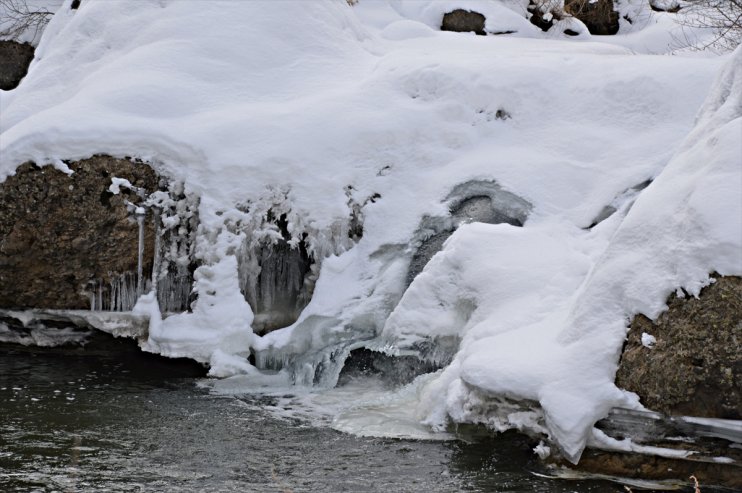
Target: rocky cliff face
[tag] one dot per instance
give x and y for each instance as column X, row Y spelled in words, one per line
column 695, row 367
column 61, row 234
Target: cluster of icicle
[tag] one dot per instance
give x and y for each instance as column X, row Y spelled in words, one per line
column 258, row 223
column 176, row 227
column 119, row 294
column 175, row 218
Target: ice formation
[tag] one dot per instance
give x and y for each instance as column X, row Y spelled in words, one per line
column 174, row 218
column 317, row 162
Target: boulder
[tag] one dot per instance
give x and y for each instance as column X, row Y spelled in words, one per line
column 14, row 61
column 599, row 16
column 695, row 366
column 462, row 21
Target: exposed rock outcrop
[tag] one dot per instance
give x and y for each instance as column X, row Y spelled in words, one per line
column 59, row 233
column 14, row 61
column 538, row 18
column 690, row 366
column 599, row 16
column 695, row 367
column 462, row 21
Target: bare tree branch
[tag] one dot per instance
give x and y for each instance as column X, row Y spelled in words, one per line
column 17, row 18
column 724, row 17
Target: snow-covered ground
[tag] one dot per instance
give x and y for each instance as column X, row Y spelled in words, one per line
column 312, row 108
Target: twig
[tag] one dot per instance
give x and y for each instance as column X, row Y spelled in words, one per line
column 695, row 484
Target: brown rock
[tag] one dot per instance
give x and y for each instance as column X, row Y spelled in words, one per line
column 462, row 21
column 59, row 232
column 695, row 368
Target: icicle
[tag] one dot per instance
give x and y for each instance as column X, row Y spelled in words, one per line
column 157, row 254
column 140, row 254
column 114, row 295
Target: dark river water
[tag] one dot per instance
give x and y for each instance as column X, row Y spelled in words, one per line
column 119, row 420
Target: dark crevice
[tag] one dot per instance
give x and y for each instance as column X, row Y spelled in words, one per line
column 610, row 209
column 394, row 370
column 281, row 291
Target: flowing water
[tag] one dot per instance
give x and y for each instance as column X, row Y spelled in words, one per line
column 114, row 419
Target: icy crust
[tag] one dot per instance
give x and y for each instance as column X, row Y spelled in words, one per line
column 553, row 333
column 42, row 336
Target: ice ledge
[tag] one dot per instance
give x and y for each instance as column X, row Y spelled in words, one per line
column 118, row 324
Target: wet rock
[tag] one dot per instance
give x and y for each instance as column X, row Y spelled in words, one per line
column 599, row 16
column 14, row 61
column 60, row 232
column 709, row 450
column 462, row 21
column 654, row 468
column 695, row 367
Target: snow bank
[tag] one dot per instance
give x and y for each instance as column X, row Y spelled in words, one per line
column 560, row 343
column 329, row 113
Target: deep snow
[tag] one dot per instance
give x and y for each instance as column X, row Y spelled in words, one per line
column 312, row 108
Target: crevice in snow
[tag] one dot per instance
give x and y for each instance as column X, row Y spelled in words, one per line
column 624, row 200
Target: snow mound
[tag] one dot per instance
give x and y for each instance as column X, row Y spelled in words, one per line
column 559, row 342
